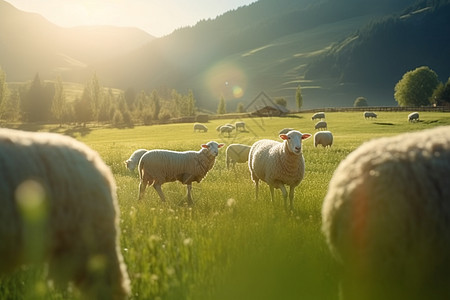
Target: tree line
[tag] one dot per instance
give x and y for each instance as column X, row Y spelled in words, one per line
column 39, row 101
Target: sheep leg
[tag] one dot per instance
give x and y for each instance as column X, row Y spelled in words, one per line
column 284, row 192
column 142, row 186
column 272, row 193
column 189, row 197
column 291, row 196
column 157, row 187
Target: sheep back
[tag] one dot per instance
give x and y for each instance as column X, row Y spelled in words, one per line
column 237, row 153
column 324, row 138
column 165, row 166
column 386, row 215
column 79, row 220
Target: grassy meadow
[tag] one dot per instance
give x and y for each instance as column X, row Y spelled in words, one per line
column 228, row 245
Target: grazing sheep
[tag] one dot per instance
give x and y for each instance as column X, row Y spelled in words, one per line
column 160, row 166
column 318, row 115
column 226, row 129
column 59, row 206
column 386, row 217
column 200, row 127
column 237, row 153
column 321, row 125
column 278, row 163
column 369, row 114
column 240, row 126
column 413, row 117
column 324, row 138
column 285, row 130
column 133, row 161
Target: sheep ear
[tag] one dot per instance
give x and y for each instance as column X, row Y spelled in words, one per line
column 306, row 136
column 205, row 146
column 221, row 145
column 284, row 136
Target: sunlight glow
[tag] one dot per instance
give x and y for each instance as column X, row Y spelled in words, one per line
column 226, row 79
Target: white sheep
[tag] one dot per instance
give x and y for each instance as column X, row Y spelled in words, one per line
column 160, row 166
column 278, row 163
column 324, row 138
column 200, row 127
column 226, row 129
column 369, row 114
column 321, row 125
column 237, row 153
column 386, row 217
column 59, row 206
column 240, row 126
column 132, row 162
column 414, row 116
column 318, row 115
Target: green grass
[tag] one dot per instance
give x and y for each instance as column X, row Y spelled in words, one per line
column 228, row 245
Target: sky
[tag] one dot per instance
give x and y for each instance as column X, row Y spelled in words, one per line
column 157, row 17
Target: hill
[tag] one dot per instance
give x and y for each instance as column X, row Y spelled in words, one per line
column 30, row 44
column 262, row 46
column 374, row 59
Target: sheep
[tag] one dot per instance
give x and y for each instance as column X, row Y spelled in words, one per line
column 413, row 117
column 386, row 217
column 240, row 126
column 160, row 166
column 278, row 163
column 237, row 153
column 321, row 125
column 318, row 115
column 369, row 114
column 133, row 161
column 285, row 130
column 200, row 127
column 226, row 129
column 59, row 207
column 324, row 138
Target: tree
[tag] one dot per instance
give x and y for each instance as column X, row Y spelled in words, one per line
column 95, row 95
column 360, row 101
column 222, row 108
column 441, row 95
column 416, row 87
column 299, row 97
column 37, row 101
column 156, row 104
column 10, row 107
column 191, row 108
column 59, row 101
column 240, row 107
column 3, row 86
column 82, row 108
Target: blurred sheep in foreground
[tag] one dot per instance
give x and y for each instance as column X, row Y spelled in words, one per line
column 386, row 217
column 59, row 206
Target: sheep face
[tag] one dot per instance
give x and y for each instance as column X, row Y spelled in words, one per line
column 213, row 147
column 293, row 140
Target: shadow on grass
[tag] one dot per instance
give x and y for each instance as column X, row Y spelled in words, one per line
column 383, row 123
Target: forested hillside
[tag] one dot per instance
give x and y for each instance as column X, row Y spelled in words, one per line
column 377, row 55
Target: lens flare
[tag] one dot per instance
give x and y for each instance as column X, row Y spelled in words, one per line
column 226, row 79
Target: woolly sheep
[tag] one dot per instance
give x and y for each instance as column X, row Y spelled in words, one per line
column 240, row 126
column 160, row 166
column 133, row 161
column 324, row 138
column 386, row 217
column 318, row 115
column 226, row 129
column 321, row 125
column 278, row 163
column 369, row 114
column 59, row 206
column 237, row 153
column 413, row 117
column 285, row 130
column 200, row 127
